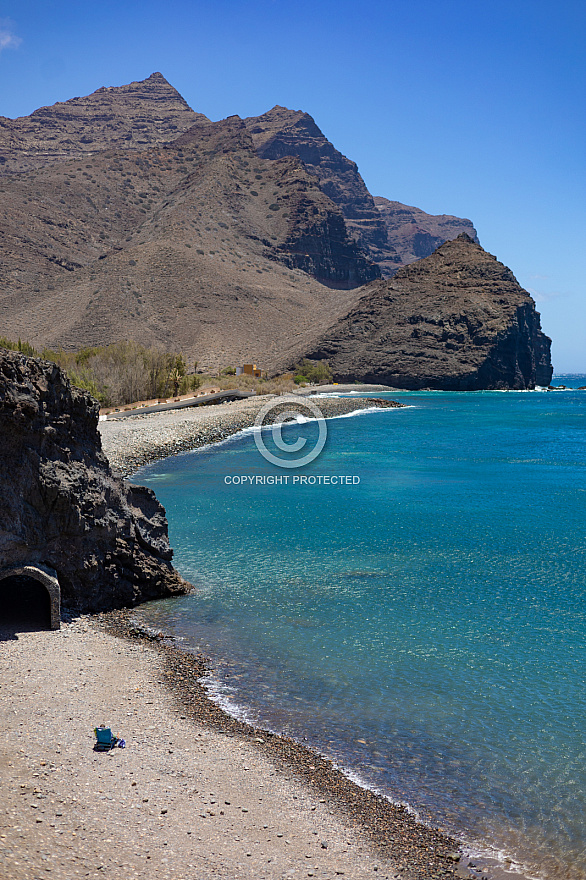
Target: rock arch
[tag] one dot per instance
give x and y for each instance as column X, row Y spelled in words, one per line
column 45, row 576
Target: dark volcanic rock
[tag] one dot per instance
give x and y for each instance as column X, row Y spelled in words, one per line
column 131, row 116
column 282, row 132
column 413, row 234
column 61, row 505
column 392, row 234
column 456, row 320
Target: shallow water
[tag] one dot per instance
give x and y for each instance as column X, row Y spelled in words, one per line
column 424, row 627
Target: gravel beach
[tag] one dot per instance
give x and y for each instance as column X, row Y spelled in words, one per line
column 134, row 441
column 195, row 794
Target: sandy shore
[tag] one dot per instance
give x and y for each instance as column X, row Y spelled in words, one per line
column 195, row 794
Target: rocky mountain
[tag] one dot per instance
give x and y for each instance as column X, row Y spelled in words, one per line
column 127, row 215
column 392, row 234
column 282, row 132
column 197, row 245
column 133, row 116
column 62, row 508
column 457, row 320
column 415, row 234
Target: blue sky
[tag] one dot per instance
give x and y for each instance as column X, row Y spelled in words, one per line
column 468, row 108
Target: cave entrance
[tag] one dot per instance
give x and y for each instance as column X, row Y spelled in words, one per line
column 30, row 598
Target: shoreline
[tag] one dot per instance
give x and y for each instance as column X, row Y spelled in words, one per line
column 131, row 443
column 194, row 793
column 135, row 442
column 371, row 834
column 400, row 840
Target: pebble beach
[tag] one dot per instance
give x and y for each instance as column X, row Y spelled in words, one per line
column 195, row 793
column 137, row 440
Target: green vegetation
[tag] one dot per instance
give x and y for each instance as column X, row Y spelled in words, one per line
column 312, row 373
column 24, row 347
column 120, row 373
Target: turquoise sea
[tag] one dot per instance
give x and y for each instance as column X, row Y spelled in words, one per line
column 425, row 626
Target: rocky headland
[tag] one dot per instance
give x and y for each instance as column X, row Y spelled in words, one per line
column 457, row 320
column 62, row 507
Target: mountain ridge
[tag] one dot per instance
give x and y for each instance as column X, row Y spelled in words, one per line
column 127, row 214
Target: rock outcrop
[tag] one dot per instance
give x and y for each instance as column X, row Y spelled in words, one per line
column 132, row 116
column 282, row 132
column 457, row 321
column 392, row 234
column 62, row 508
column 412, row 234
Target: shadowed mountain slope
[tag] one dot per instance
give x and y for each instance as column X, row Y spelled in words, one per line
column 282, row 132
column 456, row 320
column 415, row 234
column 392, row 234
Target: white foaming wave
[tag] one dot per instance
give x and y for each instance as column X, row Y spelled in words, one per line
column 223, row 696
column 372, row 409
column 256, row 429
column 339, row 394
column 471, row 850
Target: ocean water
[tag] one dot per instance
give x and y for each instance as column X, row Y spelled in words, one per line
column 425, row 626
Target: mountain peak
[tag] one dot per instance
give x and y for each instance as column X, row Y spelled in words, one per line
column 132, row 116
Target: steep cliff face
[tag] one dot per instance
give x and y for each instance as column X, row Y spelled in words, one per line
column 62, row 507
column 299, row 224
column 282, row 132
column 456, row 320
column 392, row 234
column 132, row 116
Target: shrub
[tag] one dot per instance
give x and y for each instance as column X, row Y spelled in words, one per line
column 313, row 372
column 120, row 373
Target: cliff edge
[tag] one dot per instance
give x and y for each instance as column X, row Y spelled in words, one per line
column 62, row 507
column 457, row 320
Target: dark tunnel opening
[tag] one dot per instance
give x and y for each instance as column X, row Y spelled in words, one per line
column 25, row 604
